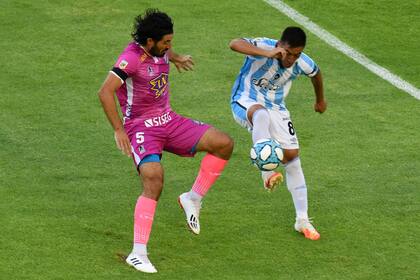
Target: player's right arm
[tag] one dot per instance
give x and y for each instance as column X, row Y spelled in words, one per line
column 106, row 95
column 241, row 45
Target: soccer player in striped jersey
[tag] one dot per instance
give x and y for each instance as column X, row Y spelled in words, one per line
column 149, row 126
column 258, row 104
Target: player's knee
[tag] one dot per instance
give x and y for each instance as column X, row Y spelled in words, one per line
column 152, row 184
column 290, row 155
column 152, row 176
column 228, row 144
column 225, row 145
column 253, row 109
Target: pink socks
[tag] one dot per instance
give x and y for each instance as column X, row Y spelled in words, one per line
column 210, row 169
column 143, row 219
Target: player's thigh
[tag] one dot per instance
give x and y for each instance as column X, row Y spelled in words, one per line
column 216, row 142
column 151, row 174
column 282, row 129
column 243, row 110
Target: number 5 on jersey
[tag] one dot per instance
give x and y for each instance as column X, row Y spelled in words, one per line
column 139, row 137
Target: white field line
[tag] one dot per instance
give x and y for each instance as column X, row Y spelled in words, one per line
column 344, row 48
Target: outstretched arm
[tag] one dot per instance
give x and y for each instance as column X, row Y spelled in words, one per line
column 106, row 95
column 244, row 47
column 182, row 62
column 320, row 103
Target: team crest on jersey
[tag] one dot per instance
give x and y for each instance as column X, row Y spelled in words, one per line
column 142, row 150
column 150, row 70
column 159, row 84
column 123, row 64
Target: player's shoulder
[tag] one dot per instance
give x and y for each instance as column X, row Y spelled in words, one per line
column 305, row 57
column 307, row 65
column 133, row 52
column 305, row 60
column 132, row 47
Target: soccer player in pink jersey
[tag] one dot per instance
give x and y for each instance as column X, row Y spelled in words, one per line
column 149, row 126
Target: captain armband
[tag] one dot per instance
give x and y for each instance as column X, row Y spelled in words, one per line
column 119, row 73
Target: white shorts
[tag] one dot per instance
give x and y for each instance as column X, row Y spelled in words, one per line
column 281, row 126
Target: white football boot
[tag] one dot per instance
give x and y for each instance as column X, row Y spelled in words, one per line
column 141, row 263
column 192, row 211
column 306, row 228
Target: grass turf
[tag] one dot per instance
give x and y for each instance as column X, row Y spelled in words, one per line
column 67, row 195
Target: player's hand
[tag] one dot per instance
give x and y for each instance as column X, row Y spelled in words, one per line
column 320, row 106
column 184, row 62
column 122, row 141
column 277, row 52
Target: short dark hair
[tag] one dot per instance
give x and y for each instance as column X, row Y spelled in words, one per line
column 153, row 24
column 294, row 37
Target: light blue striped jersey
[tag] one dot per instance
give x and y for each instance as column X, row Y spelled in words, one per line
column 265, row 80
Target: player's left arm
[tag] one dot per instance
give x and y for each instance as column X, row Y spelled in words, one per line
column 181, row 62
column 320, row 104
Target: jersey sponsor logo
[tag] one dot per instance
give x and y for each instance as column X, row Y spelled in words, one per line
column 265, row 84
column 159, row 84
column 123, row 64
column 158, row 121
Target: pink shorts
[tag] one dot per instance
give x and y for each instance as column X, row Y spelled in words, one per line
column 166, row 132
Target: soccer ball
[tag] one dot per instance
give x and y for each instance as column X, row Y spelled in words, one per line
column 266, row 154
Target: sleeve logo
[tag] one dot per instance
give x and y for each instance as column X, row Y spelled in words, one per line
column 123, row 64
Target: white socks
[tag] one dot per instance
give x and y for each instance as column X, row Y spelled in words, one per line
column 140, row 249
column 260, row 125
column 296, row 184
column 260, row 130
column 194, row 196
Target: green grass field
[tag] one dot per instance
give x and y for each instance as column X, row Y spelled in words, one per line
column 67, row 194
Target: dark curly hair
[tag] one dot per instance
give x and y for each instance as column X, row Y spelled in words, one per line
column 294, row 36
column 153, row 24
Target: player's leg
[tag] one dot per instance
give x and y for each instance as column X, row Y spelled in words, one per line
column 259, row 118
column 147, row 146
column 151, row 173
column 284, row 132
column 218, row 146
column 296, row 184
column 256, row 118
column 188, row 137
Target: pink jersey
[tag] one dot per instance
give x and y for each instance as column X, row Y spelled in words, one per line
column 145, row 91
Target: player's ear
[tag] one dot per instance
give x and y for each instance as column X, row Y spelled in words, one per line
column 150, row 42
